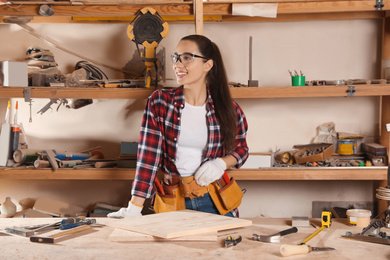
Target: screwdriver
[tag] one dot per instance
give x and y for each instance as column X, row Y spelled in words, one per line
column 287, row 250
column 75, row 222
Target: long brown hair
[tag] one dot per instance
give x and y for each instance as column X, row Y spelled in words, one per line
column 217, row 83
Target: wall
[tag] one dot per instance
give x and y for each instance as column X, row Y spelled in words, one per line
column 323, row 50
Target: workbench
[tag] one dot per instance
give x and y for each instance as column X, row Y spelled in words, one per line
column 94, row 243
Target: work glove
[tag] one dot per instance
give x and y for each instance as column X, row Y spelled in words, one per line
column 210, row 171
column 131, row 211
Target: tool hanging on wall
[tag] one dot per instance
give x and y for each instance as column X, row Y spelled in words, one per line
column 148, row 29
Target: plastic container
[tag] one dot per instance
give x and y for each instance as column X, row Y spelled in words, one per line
column 359, row 217
column 8, row 208
column 298, row 80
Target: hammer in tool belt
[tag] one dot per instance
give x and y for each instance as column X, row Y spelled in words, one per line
column 275, row 238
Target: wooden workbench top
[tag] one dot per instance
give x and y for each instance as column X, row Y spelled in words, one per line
column 94, row 244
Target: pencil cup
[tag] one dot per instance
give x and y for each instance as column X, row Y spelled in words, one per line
column 298, row 80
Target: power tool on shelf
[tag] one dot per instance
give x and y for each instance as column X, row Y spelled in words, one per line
column 148, row 29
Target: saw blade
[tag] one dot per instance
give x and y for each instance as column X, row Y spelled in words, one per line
column 370, row 239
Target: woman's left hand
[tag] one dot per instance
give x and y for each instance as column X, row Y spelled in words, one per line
column 210, row 171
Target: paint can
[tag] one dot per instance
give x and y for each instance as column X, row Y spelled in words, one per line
column 346, row 146
column 359, row 217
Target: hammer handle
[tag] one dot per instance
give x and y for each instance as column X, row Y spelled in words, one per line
column 288, row 231
column 70, row 231
column 287, row 250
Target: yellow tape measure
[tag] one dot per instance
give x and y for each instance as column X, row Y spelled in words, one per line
column 326, row 220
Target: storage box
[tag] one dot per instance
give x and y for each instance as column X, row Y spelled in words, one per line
column 258, row 160
column 327, row 151
column 374, row 149
column 15, row 73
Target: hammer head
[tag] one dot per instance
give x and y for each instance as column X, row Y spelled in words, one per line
column 37, row 239
column 267, row 239
column 275, row 238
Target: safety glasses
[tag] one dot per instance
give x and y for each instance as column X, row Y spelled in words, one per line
column 185, row 58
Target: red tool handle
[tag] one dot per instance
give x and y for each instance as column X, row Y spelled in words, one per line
column 226, row 178
column 159, row 187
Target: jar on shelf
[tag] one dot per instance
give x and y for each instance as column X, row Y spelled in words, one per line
column 8, row 208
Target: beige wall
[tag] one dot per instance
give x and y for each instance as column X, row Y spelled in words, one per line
column 323, row 50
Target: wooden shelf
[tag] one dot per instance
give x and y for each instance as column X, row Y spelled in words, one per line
column 241, row 92
column 283, row 173
column 185, row 8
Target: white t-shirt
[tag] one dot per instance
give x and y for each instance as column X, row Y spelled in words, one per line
column 192, row 139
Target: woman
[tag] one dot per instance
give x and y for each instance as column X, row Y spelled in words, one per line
column 192, row 133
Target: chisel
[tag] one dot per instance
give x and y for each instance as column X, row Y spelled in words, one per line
column 287, row 250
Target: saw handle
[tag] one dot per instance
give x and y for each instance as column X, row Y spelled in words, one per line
column 287, row 250
column 288, row 231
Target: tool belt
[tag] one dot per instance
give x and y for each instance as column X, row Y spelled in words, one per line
column 225, row 196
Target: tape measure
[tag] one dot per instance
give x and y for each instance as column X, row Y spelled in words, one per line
column 285, row 157
column 326, row 219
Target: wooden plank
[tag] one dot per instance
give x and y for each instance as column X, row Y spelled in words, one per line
column 95, row 93
column 311, row 173
column 96, row 10
column 56, row 207
column 187, row 8
column 237, row 93
column 129, row 2
column 274, row 173
column 305, row 17
column 216, row 18
column 179, row 223
column 309, row 91
column 121, row 235
column 272, row 1
column 67, row 174
column 198, row 11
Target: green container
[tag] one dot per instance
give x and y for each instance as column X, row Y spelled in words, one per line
column 298, row 80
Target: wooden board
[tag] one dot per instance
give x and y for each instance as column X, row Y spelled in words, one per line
column 179, row 223
column 56, row 207
column 121, row 235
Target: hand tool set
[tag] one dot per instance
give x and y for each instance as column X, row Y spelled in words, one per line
column 372, row 233
column 302, row 248
column 70, row 225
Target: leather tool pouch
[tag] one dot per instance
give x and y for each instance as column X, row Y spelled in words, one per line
column 171, row 201
column 226, row 198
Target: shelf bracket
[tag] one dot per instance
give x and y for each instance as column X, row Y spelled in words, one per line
column 379, row 5
column 351, row 91
column 27, row 94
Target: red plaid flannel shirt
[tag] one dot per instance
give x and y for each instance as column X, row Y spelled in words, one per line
column 160, row 131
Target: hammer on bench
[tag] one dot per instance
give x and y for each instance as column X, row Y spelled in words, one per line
column 275, row 238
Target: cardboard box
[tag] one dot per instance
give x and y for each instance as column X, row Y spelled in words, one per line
column 258, row 160
column 327, row 152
